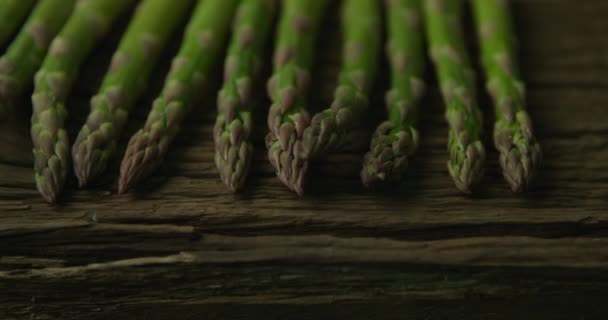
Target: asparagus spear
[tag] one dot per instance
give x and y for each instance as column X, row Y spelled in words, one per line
column 12, row 13
column 520, row 153
column 331, row 129
column 201, row 50
column 396, row 139
column 26, row 52
column 287, row 118
column 132, row 64
column 457, row 81
column 89, row 22
column 233, row 147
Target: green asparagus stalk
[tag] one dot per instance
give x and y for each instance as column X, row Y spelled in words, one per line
column 332, row 128
column 520, row 153
column 25, row 54
column 457, row 80
column 89, row 22
column 201, row 50
column 298, row 28
column 137, row 54
column 12, row 14
column 233, row 126
column 396, row 139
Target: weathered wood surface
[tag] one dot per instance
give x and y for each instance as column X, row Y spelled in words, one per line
column 183, row 244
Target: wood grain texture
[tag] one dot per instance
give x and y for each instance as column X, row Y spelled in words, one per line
column 180, row 243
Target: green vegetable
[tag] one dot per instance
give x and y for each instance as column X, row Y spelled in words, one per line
column 201, row 50
column 25, row 54
column 520, row 153
column 332, row 128
column 85, row 27
column 12, row 14
column 396, row 139
column 448, row 52
column 298, row 28
column 232, row 132
column 132, row 64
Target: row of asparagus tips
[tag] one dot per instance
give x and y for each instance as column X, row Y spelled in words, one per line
column 75, row 26
column 396, row 139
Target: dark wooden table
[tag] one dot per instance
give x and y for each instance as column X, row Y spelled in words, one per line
column 181, row 247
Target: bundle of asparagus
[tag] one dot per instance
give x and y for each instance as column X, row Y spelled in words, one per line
column 396, row 139
column 520, row 153
column 233, row 126
column 12, row 13
column 201, row 49
column 332, row 129
column 89, row 22
column 288, row 88
column 75, row 27
column 132, row 64
column 26, row 52
column 448, row 52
